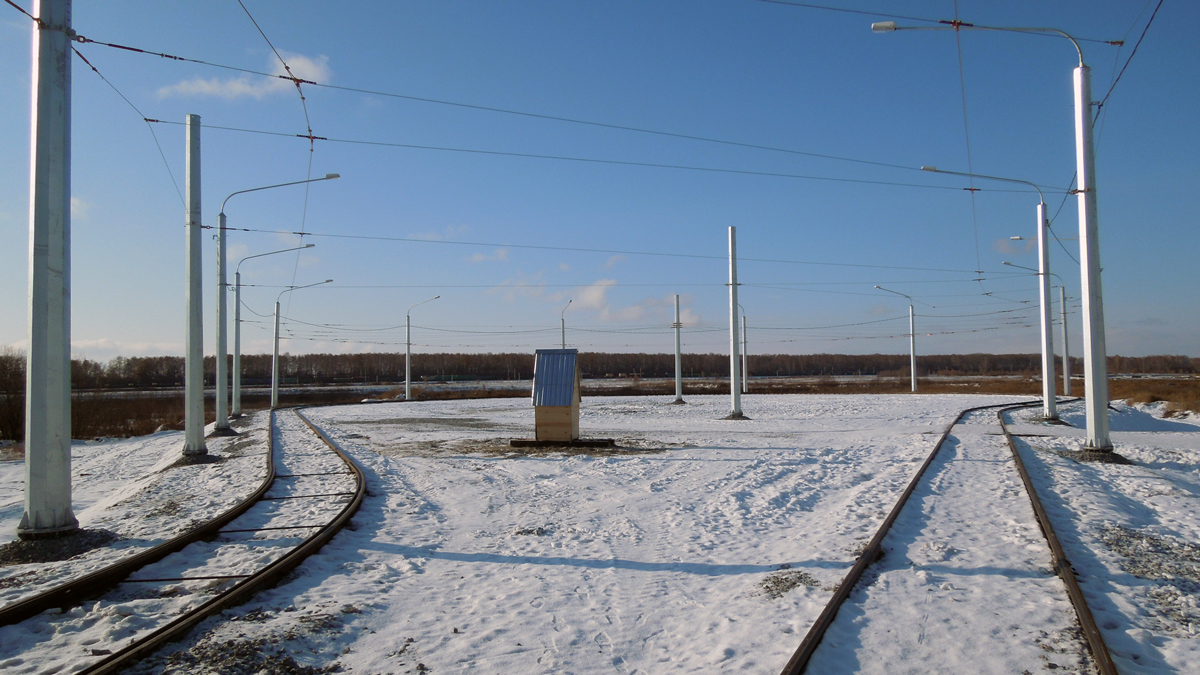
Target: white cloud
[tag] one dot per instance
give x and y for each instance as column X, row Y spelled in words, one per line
column 254, row 86
column 614, row 260
column 80, row 209
column 105, row 349
column 563, row 267
column 594, row 296
column 498, row 254
column 448, row 232
column 522, row 285
column 1014, row 246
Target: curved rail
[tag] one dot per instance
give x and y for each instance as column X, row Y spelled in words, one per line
column 243, row 590
column 92, row 584
column 874, row 551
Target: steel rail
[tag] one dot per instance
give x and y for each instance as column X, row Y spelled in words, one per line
column 872, row 553
column 95, row 583
column 243, row 590
column 1062, row 567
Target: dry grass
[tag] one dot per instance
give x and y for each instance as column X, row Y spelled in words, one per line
column 1181, row 395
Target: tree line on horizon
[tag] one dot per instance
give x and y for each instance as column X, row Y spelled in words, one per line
column 150, row 372
column 168, row 371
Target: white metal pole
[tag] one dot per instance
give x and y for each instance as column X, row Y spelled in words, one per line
column 221, row 427
column 194, row 322
column 407, row 358
column 1049, row 407
column 1062, row 304
column 48, row 369
column 678, row 354
column 735, row 393
column 237, row 344
column 275, row 362
column 912, row 346
column 562, row 319
column 1095, row 365
column 745, row 370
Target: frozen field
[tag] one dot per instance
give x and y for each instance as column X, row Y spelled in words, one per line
column 702, row 545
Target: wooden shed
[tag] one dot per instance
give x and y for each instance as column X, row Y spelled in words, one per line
column 556, row 378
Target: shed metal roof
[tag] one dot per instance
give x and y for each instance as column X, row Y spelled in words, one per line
column 554, row 377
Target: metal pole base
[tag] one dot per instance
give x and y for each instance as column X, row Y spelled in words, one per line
column 735, row 416
column 31, row 533
column 678, row 401
column 223, row 431
column 1100, row 456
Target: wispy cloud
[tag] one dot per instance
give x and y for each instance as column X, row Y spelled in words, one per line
column 80, row 209
column 523, row 285
column 254, row 86
column 614, row 260
column 594, row 296
column 447, row 232
column 1014, row 246
column 498, row 254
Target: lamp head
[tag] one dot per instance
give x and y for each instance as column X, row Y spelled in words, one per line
column 929, row 168
column 879, row 288
column 1017, row 238
column 329, row 281
column 331, row 176
column 309, row 245
column 883, row 26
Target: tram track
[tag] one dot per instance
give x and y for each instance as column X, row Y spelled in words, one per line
column 164, row 592
column 874, row 551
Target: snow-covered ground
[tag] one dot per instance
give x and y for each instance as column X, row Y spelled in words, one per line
column 1131, row 532
column 707, row 545
column 128, row 487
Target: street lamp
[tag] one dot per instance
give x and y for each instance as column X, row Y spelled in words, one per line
column 408, row 349
column 275, row 353
column 1062, row 306
column 912, row 336
column 222, row 424
column 1049, row 407
column 1095, row 366
column 562, row 322
column 237, row 327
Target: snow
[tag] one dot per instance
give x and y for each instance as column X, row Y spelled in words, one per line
column 128, row 487
column 703, row 545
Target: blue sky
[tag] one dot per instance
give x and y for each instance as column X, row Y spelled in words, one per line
column 766, row 74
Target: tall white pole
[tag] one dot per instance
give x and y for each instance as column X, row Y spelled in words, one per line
column 1049, row 408
column 237, row 345
column 193, row 397
column 1062, row 305
column 275, row 362
column 562, row 321
column 678, row 354
column 912, row 346
column 222, row 389
column 408, row 346
column 1095, row 364
column 735, row 393
column 48, row 369
column 745, row 370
